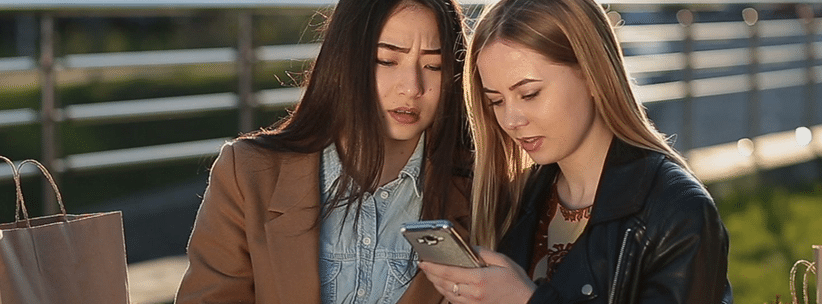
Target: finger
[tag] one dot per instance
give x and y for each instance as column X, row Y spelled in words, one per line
column 467, row 292
column 442, row 285
column 450, row 273
column 490, row 257
column 455, row 295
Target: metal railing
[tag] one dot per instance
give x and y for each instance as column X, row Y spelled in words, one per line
column 686, row 61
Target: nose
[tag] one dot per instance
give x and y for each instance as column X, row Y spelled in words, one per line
column 513, row 117
column 411, row 82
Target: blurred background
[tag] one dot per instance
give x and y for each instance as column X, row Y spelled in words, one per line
column 128, row 102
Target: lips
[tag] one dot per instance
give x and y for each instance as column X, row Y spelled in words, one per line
column 405, row 115
column 530, row 144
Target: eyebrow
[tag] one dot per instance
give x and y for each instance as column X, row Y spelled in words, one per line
column 511, row 88
column 395, row 48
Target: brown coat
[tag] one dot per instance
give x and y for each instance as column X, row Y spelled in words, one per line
column 254, row 239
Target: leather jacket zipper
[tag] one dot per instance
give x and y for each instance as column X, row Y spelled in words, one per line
column 619, row 263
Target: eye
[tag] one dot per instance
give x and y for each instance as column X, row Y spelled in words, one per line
column 493, row 102
column 433, row 67
column 386, row 62
column 530, row 96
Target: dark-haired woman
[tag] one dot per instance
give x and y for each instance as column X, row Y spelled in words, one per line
column 308, row 210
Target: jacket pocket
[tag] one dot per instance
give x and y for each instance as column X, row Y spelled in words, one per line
column 329, row 270
column 402, row 270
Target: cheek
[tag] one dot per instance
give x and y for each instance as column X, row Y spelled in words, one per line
column 433, row 88
column 381, row 80
column 433, row 83
column 498, row 113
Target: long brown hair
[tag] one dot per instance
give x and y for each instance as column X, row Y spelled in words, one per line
column 572, row 32
column 340, row 105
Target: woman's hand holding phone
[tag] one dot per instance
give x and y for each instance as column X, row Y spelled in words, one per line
column 501, row 281
column 437, row 241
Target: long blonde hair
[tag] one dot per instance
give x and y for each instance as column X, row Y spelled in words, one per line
column 572, row 32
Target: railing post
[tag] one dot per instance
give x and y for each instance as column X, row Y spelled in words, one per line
column 686, row 19
column 48, row 110
column 751, row 17
column 806, row 13
column 817, row 250
column 245, row 70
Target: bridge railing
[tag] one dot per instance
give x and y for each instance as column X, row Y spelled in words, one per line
column 670, row 61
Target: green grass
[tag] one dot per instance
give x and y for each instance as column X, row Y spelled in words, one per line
column 770, row 229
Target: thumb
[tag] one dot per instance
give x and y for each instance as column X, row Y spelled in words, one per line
column 491, row 257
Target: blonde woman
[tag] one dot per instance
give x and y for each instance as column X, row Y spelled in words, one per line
column 583, row 198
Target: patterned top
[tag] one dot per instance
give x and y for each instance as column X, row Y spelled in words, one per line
column 556, row 236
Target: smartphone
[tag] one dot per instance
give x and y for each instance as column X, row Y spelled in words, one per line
column 437, row 241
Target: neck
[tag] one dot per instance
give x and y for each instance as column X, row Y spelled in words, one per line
column 580, row 172
column 397, row 153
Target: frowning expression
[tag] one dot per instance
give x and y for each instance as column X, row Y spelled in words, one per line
column 408, row 73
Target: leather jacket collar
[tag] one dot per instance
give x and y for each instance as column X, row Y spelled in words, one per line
column 612, row 201
column 644, row 205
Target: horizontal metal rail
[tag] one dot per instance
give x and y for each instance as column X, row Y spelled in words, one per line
column 155, row 108
column 17, row 64
column 723, row 85
column 723, row 58
column 128, row 157
column 167, row 57
column 708, row 31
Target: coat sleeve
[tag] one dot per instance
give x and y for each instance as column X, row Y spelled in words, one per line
column 688, row 256
column 219, row 269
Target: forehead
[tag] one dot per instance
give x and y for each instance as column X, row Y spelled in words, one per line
column 410, row 22
column 502, row 62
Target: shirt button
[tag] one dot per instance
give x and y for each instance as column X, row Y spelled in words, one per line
column 361, row 292
column 366, row 241
column 587, row 289
column 384, row 195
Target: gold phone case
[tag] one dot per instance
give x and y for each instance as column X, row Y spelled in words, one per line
column 437, row 241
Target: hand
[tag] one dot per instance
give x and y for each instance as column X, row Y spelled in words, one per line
column 502, row 281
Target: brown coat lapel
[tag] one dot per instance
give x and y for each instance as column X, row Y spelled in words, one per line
column 255, row 240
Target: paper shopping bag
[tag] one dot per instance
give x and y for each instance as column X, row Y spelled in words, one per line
column 62, row 258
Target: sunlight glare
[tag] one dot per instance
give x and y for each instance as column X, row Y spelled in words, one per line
column 803, row 136
column 745, row 147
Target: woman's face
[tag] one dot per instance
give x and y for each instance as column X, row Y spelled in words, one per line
column 544, row 106
column 408, row 72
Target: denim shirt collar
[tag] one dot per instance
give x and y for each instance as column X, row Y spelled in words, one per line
column 332, row 167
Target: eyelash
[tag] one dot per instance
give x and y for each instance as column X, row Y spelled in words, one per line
column 385, row 62
column 435, row 68
column 530, row 96
column 524, row 97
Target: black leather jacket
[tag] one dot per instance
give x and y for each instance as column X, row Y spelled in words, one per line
column 654, row 236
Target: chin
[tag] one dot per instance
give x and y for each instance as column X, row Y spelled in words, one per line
column 542, row 159
column 403, row 136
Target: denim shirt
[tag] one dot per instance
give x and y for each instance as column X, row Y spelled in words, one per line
column 370, row 262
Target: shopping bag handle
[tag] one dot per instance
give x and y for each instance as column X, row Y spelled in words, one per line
column 19, row 203
column 53, row 186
